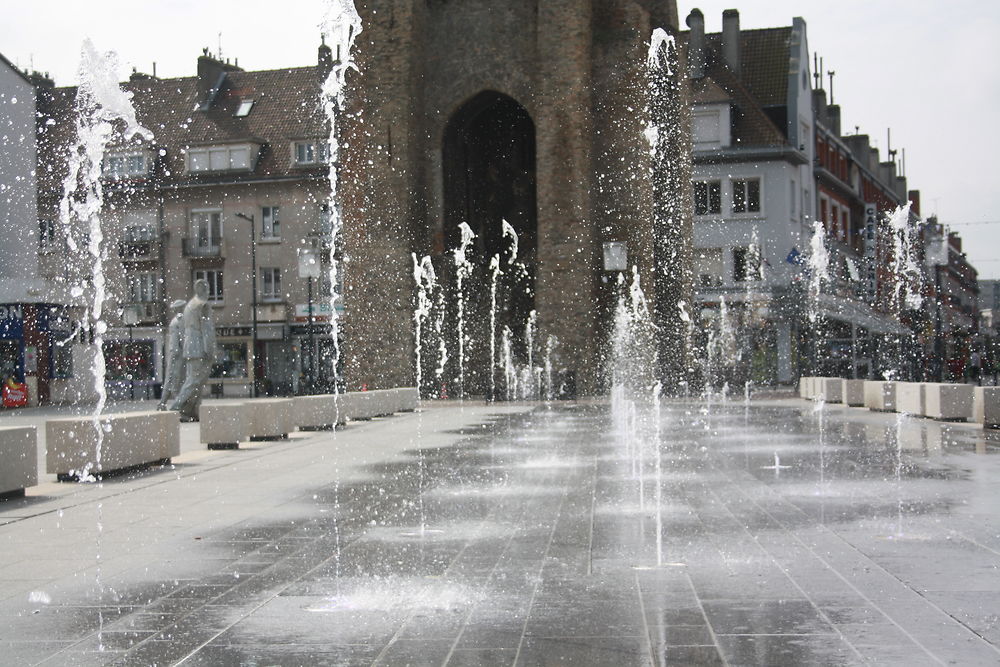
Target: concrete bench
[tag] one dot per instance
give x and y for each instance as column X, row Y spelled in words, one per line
column 224, row 424
column 130, row 440
column 805, row 387
column 853, row 392
column 911, row 398
column 991, row 407
column 830, row 390
column 880, row 395
column 319, row 412
column 407, row 399
column 18, row 459
column 947, row 401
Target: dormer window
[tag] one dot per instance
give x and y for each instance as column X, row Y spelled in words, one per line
column 310, row 152
column 238, row 157
column 244, row 109
column 126, row 165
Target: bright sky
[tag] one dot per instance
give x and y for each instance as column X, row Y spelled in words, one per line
column 933, row 76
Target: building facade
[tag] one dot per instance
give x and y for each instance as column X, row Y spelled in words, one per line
column 234, row 179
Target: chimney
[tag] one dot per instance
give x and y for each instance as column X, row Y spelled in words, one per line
column 819, row 106
column 696, row 44
column 833, row 115
column 324, row 59
column 731, row 39
column 211, row 78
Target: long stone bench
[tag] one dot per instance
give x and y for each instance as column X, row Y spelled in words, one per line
column 271, row 418
column 130, row 440
column 853, row 393
column 880, row 395
column 947, row 401
column 18, row 459
column 805, row 387
column 911, row 398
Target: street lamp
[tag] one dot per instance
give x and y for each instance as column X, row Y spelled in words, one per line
column 309, row 268
column 130, row 316
column 253, row 297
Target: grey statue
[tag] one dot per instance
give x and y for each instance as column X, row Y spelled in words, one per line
column 198, row 351
column 174, row 376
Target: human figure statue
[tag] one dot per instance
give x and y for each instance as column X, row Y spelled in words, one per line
column 198, row 351
column 174, row 377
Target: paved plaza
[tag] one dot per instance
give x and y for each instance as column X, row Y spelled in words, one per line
column 768, row 534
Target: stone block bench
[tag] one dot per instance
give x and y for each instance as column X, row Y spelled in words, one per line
column 991, row 407
column 853, row 393
column 951, row 402
column 880, row 395
column 131, row 440
column 224, row 424
column 829, row 390
column 18, row 460
column 911, row 398
column 319, row 412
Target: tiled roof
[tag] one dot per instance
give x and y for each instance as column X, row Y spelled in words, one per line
column 763, row 83
column 286, row 108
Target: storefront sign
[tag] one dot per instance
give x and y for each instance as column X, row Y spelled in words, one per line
column 15, row 394
column 871, row 249
column 320, row 311
column 233, row 332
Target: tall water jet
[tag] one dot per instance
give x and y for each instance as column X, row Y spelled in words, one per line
column 426, row 283
column 463, row 271
column 104, row 114
column 495, row 273
column 341, row 25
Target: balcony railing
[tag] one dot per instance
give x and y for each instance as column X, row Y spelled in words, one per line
column 201, row 248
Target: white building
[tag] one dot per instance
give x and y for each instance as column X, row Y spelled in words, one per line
column 754, row 144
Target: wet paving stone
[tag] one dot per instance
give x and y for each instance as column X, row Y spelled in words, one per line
column 768, row 535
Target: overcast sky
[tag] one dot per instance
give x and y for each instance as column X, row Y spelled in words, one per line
column 927, row 69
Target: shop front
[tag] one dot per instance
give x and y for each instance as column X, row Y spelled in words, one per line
column 35, row 348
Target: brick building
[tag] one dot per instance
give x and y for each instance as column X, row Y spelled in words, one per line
column 530, row 111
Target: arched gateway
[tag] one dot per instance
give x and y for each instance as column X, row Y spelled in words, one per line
column 560, row 154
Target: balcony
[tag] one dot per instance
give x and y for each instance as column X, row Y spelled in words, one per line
column 201, row 248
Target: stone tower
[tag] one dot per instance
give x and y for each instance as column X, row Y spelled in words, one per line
column 475, row 111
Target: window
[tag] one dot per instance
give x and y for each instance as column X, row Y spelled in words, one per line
column 219, row 158
column 747, row 264
column 129, row 360
column 708, row 267
column 46, row 235
column 244, row 109
column 270, row 219
column 214, row 279
column 311, row 152
column 746, row 195
column 143, row 287
column 705, row 127
column 206, row 228
column 270, row 285
column 62, row 357
column 707, row 197
column 125, row 165
column 230, row 360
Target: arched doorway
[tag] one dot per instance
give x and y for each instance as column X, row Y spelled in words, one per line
column 488, row 159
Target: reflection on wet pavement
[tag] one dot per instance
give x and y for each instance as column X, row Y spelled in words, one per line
column 786, row 537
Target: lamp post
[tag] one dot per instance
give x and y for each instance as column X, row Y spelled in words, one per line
column 253, row 297
column 130, row 315
column 309, row 268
